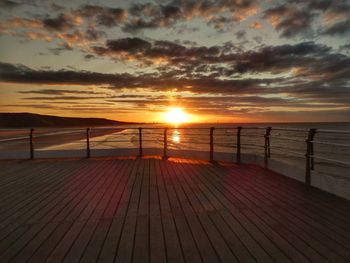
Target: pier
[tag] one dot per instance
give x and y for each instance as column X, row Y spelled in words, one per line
column 154, row 210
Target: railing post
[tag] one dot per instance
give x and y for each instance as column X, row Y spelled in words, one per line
column 309, row 156
column 140, row 142
column 88, row 154
column 211, row 156
column 267, row 145
column 31, row 143
column 165, row 142
column 238, row 155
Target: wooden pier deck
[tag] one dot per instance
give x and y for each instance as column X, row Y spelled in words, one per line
column 153, row 210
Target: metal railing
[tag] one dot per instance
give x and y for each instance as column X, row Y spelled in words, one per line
column 265, row 134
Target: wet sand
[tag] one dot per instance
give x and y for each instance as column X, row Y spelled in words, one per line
column 44, row 138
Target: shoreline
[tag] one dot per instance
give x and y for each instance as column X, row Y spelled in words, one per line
column 43, row 140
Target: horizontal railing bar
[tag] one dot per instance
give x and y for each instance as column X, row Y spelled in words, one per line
column 333, row 131
column 92, row 141
column 251, row 146
column 189, row 134
column 284, row 149
column 163, row 127
column 225, row 145
column 182, row 142
column 288, row 129
column 330, row 143
column 255, row 145
column 289, row 151
column 296, row 135
column 249, row 135
column 344, row 177
column 330, row 160
column 286, row 138
column 14, row 139
column 74, row 142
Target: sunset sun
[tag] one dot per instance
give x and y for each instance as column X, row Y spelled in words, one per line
column 176, row 116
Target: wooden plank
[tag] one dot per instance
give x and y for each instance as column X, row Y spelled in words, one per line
column 295, row 247
column 156, row 234
column 312, row 237
column 174, row 250
column 94, row 246
column 19, row 202
column 142, row 242
column 127, row 237
column 188, row 244
column 224, row 216
column 110, row 245
column 16, row 225
column 334, row 204
column 211, row 244
column 81, row 212
column 336, row 230
column 23, row 240
column 91, row 215
column 261, row 212
column 260, row 236
column 200, row 198
column 22, row 188
column 165, row 211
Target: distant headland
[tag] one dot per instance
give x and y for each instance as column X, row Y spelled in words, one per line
column 21, row 120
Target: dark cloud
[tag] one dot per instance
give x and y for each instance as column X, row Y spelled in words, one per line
column 104, row 16
column 302, row 18
column 60, row 23
column 126, row 45
column 341, row 28
column 345, row 48
column 290, row 20
column 8, row 4
column 312, row 72
column 241, row 34
column 60, row 92
column 148, row 15
column 192, row 60
column 74, row 98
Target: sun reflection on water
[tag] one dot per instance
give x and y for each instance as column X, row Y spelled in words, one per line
column 175, row 136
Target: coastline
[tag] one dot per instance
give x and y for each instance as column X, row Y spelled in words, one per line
column 45, row 138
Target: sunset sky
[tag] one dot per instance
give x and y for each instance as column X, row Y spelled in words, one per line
column 218, row 60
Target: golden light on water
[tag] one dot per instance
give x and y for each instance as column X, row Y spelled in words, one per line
column 176, row 116
column 175, row 136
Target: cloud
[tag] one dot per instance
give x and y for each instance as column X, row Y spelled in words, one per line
column 341, row 28
column 241, row 34
column 104, row 16
column 60, row 92
column 302, row 18
column 290, row 20
column 62, row 22
column 219, row 61
column 8, row 4
column 255, row 25
column 151, row 16
column 74, row 98
column 124, row 45
column 301, row 73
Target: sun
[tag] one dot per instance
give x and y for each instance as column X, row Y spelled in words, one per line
column 176, row 116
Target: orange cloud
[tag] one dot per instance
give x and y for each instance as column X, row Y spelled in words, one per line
column 255, row 25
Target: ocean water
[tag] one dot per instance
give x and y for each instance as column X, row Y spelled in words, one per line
column 287, row 141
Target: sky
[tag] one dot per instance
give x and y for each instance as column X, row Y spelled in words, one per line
column 218, row 60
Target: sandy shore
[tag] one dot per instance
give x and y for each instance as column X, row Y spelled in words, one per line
column 44, row 138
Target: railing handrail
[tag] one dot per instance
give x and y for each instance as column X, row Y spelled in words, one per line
column 239, row 133
column 275, row 128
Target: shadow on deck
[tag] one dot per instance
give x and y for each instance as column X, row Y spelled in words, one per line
column 151, row 210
